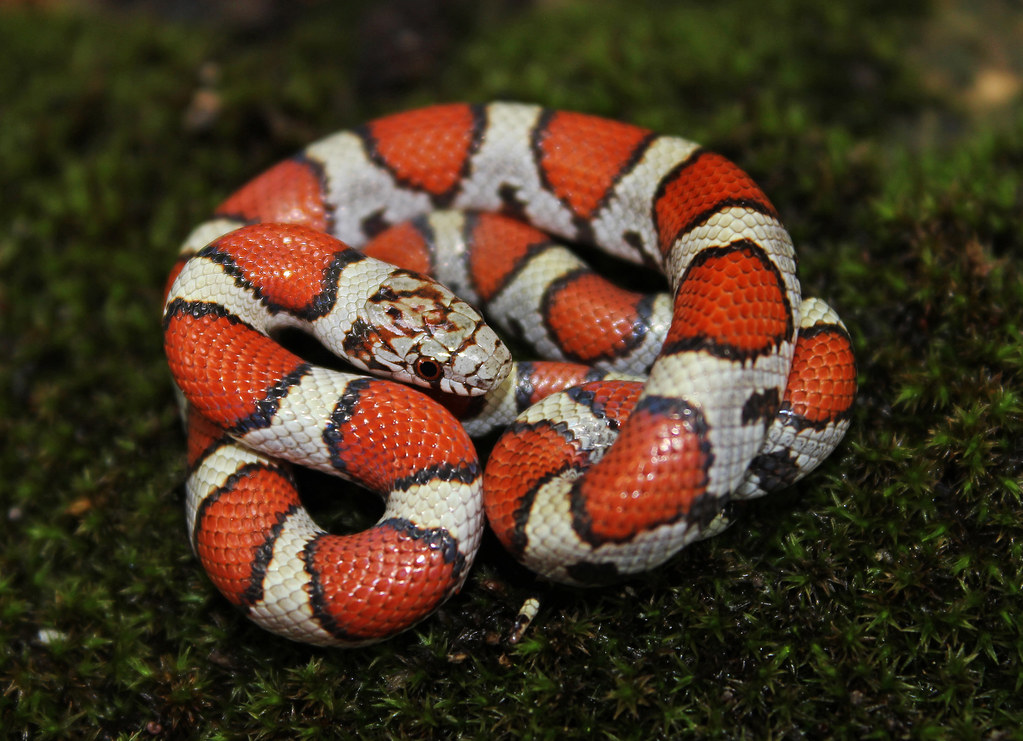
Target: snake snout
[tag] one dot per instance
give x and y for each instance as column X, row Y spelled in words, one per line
column 470, row 354
column 415, row 330
column 484, row 362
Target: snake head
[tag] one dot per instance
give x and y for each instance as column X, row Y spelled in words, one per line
column 415, row 330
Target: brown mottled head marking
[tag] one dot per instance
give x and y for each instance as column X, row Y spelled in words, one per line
column 415, row 330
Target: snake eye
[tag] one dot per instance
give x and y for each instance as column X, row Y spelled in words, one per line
column 428, row 370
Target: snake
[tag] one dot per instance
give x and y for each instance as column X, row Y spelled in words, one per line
column 642, row 418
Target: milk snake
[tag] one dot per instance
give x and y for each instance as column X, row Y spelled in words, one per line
column 750, row 386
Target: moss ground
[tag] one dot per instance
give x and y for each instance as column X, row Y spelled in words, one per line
column 880, row 598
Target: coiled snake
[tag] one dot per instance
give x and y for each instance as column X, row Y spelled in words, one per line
column 748, row 386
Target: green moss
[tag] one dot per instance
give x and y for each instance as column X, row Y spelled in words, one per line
column 879, row 598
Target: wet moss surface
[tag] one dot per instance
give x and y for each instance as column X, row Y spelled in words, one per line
column 879, row 598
